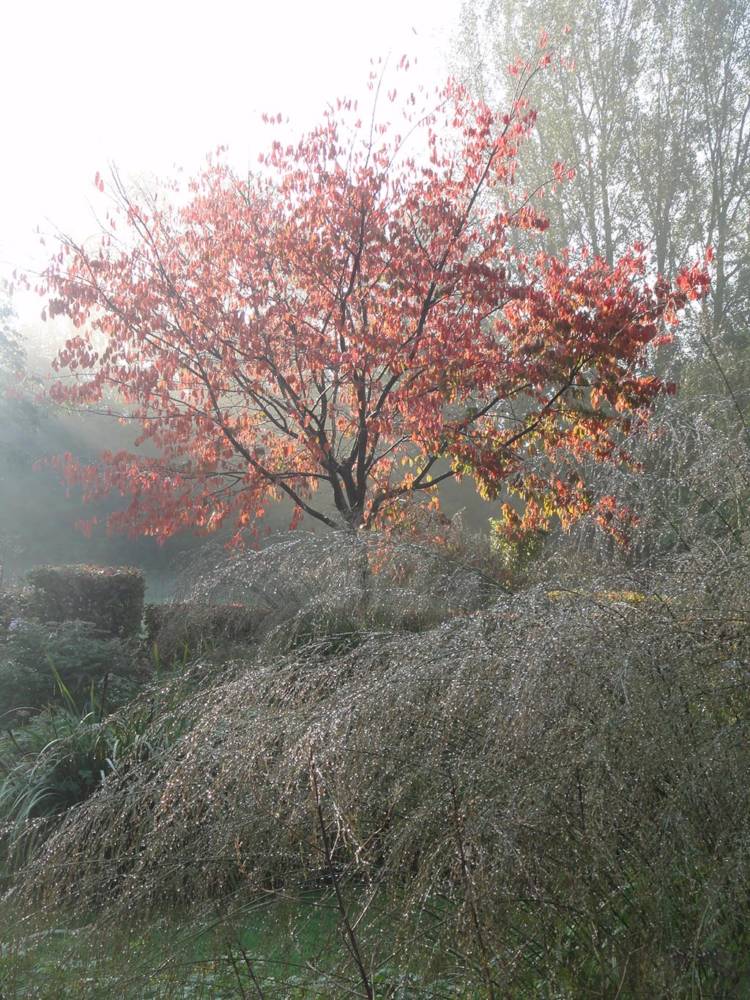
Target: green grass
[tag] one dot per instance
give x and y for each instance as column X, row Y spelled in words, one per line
column 161, row 959
column 286, row 948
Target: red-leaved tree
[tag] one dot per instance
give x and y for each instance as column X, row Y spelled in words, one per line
column 352, row 326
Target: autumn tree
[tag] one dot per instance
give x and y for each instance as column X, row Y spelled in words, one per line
column 354, row 324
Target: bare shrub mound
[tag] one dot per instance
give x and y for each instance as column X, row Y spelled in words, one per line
column 553, row 787
column 310, row 586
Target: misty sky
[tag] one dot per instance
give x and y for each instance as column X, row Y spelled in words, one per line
column 153, row 85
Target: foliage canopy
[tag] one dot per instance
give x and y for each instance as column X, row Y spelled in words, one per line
column 356, row 316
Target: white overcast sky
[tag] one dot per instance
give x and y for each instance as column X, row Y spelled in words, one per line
column 153, row 85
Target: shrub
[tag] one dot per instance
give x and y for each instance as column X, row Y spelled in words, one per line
column 109, row 598
column 35, row 657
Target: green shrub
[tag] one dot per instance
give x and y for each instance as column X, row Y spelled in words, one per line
column 110, row 598
column 34, row 657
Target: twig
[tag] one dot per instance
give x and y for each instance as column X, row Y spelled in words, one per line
column 350, row 936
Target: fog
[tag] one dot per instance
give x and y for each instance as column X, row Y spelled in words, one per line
column 155, row 87
column 150, row 89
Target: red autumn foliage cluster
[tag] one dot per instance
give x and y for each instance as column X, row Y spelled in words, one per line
column 359, row 321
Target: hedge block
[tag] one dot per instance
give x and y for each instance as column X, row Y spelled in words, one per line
column 190, row 626
column 111, row 598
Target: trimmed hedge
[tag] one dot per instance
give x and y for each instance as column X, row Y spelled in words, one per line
column 187, row 628
column 110, row 598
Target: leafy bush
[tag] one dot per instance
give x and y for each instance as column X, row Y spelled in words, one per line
column 35, row 657
column 59, row 757
column 109, row 598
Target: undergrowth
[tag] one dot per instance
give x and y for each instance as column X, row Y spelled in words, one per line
column 544, row 796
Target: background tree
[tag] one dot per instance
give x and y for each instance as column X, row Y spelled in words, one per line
column 14, row 410
column 589, row 100
column 357, row 317
column 651, row 105
column 11, row 352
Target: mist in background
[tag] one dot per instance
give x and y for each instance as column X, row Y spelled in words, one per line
column 150, row 89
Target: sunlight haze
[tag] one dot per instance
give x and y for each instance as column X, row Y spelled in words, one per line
column 154, row 86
